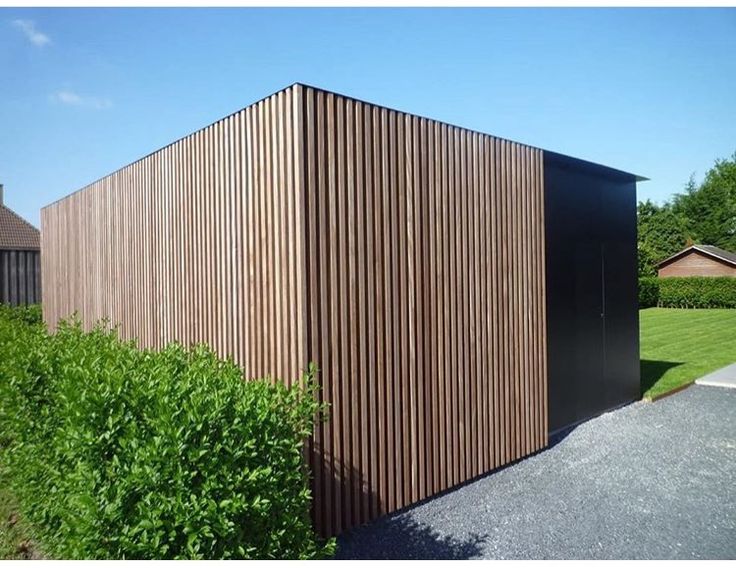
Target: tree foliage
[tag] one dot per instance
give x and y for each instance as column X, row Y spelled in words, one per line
column 709, row 209
column 704, row 213
column 662, row 233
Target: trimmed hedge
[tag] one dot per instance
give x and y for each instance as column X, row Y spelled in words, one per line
column 30, row 314
column 688, row 292
column 116, row 452
column 648, row 292
column 698, row 292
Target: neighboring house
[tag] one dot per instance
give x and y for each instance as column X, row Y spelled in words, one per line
column 699, row 260
column 20, row 259
column 462, row 295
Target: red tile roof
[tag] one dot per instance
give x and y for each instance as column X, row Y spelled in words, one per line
column 16, row 233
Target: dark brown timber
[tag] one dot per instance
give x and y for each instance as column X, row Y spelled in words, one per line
column 402, row 255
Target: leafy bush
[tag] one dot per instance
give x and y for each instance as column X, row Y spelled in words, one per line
column 697, row 292
column 30, row 314
column 116, row 452
column 648, row 292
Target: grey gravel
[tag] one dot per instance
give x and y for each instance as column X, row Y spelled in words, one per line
column 647, row 481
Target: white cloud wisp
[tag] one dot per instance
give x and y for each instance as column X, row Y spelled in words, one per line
column 70, row 98
column 36, row 37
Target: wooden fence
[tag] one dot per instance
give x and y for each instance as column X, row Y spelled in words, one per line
column 20, row 277
column 404, row 256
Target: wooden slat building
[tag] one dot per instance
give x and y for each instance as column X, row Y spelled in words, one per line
column 412, row 260
column 20, row 259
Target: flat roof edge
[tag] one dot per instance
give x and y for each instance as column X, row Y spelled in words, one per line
column 564, row 159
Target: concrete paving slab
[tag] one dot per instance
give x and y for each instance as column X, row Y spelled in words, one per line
column 725, row 377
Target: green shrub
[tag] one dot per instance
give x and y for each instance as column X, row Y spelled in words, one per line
column 648, row 292
column 116, row 452
column 697, row 292
column 30, row 314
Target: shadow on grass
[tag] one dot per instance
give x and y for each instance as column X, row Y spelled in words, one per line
column 652, row 371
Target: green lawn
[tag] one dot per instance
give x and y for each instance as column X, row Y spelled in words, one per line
column 679, row 346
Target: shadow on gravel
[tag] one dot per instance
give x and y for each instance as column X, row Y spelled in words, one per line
column 397, row 536
column 404, row 538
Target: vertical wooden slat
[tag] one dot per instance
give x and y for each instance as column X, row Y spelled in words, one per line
column 465, row 377
column 434, row 271
column 313, row 322
column 446, row 218
column 415, row 297
column 455, row 339
column 387, row 190
column 541, row 293
column 373, row 336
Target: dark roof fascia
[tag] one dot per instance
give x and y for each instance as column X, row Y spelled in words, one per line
column 569, row 162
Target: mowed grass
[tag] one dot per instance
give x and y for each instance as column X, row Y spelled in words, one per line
column 679, row 346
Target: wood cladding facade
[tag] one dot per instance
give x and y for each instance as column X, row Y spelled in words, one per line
column 197, row 242
column 425, row 304
column 404, row 256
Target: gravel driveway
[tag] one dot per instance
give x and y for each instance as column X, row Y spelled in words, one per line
column 651, row 480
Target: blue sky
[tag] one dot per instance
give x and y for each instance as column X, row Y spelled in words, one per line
column 85, row 91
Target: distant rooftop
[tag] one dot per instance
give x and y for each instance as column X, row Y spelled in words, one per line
column 15, row 232
column 710, row 250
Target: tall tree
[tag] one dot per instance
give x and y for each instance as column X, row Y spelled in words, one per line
column 710, row 208
column 662, row 233
column 703, row 214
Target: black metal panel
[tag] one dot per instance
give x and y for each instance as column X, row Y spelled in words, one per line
column 592, row 306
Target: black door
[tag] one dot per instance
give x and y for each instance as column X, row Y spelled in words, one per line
column 592, row 311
